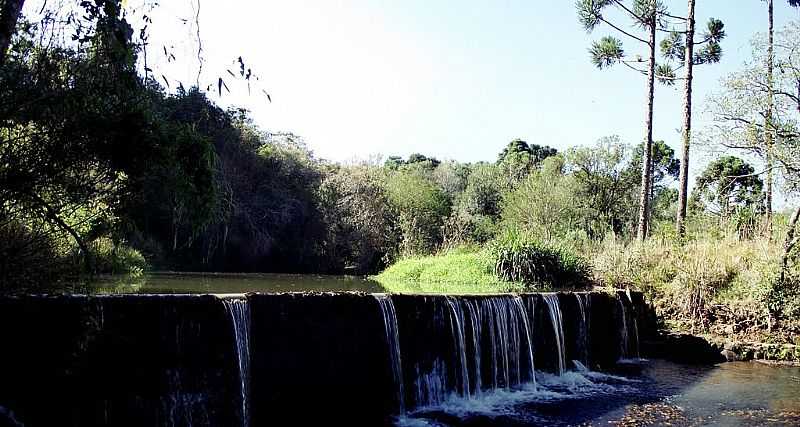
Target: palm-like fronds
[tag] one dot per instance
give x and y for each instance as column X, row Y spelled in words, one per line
column 673, row 46
column 606, row 52
column 665, row 74
column 715, row 30
column 590, row 12
column 709, row 54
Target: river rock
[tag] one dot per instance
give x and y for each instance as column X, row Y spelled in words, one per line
column 729, row 355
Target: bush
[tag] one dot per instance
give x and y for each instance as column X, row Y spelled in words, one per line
column 460, row 270
column 30, row 260
column 111, row 258
column 537, row 264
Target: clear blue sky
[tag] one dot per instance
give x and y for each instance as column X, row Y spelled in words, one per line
column 456, row 80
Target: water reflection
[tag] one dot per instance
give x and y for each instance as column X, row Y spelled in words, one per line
column 233, row 283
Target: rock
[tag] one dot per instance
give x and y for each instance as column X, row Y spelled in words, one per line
column 685, row 348
column 729, row 355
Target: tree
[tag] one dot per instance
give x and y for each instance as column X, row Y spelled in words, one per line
column 72, row 121
column 727, row 185
column 518, row 147
column 739, row 107
column 519, row 158
column 681, row 46
column 420, row 207
column 650, row 16
column 544, row 204
column 9, row 15
column 605, row 184
column 769, row 126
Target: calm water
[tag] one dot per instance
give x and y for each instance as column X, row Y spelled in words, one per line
column 655, row 393
column 233, row 283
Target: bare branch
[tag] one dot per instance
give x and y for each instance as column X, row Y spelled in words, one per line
column 624, row 32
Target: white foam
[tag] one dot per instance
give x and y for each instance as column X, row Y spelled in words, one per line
column 574, row 384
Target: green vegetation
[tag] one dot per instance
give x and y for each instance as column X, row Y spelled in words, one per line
column 538, row 265
column 104, row 170
column 457, row 271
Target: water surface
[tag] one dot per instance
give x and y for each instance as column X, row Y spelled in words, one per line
column 233, row 283
column 649, row 393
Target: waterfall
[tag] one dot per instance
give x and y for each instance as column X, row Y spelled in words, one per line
column 583, row 326
column 528, row 329
column 626, row 344
column 458, row 332
column 476, row 320
column 239, row 311
column 558, row 328
column 635, row 324
column 393, row 341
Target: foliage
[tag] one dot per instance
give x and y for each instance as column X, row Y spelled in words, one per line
column 464, row 270
column 421, row 208
column 544, row 204
column 114, row 258
column 606, row 185
column 726, row 185
column 713, row 283
column 360, row 228
column 538, row 265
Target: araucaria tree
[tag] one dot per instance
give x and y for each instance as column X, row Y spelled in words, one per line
column 649, row 16
column 680, row 46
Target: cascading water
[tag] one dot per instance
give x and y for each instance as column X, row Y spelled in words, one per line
column 624, row 344
column 492, row 349
column 583, row 326
column 558, row 328
column 393, row 341
column 239, row 311
column 635, row 324
column 628, row 349
column 458, row 331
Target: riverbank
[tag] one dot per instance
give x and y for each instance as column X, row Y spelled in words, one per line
column 718, row 288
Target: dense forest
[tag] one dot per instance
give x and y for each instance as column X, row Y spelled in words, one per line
column 105, row 170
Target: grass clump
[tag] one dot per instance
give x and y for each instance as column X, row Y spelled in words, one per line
column 539, row 265
column 463, row 270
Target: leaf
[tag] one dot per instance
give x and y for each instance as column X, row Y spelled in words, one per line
column 219, row 86
column 268, row 97
column 165, row 81
column 231, row 73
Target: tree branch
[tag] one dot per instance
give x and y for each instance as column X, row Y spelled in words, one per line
column 633, row 68
column 624, row 32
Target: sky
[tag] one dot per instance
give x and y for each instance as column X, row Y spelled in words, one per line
column 454, row 80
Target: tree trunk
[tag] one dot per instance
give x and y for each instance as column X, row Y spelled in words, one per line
column 8, row 24
column 683, row 189
column 647, row 162
column 768, row 125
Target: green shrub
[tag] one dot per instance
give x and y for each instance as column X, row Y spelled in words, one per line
column 31, row 260
column 111, row 258
column 537, row 264
column 461, row 270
